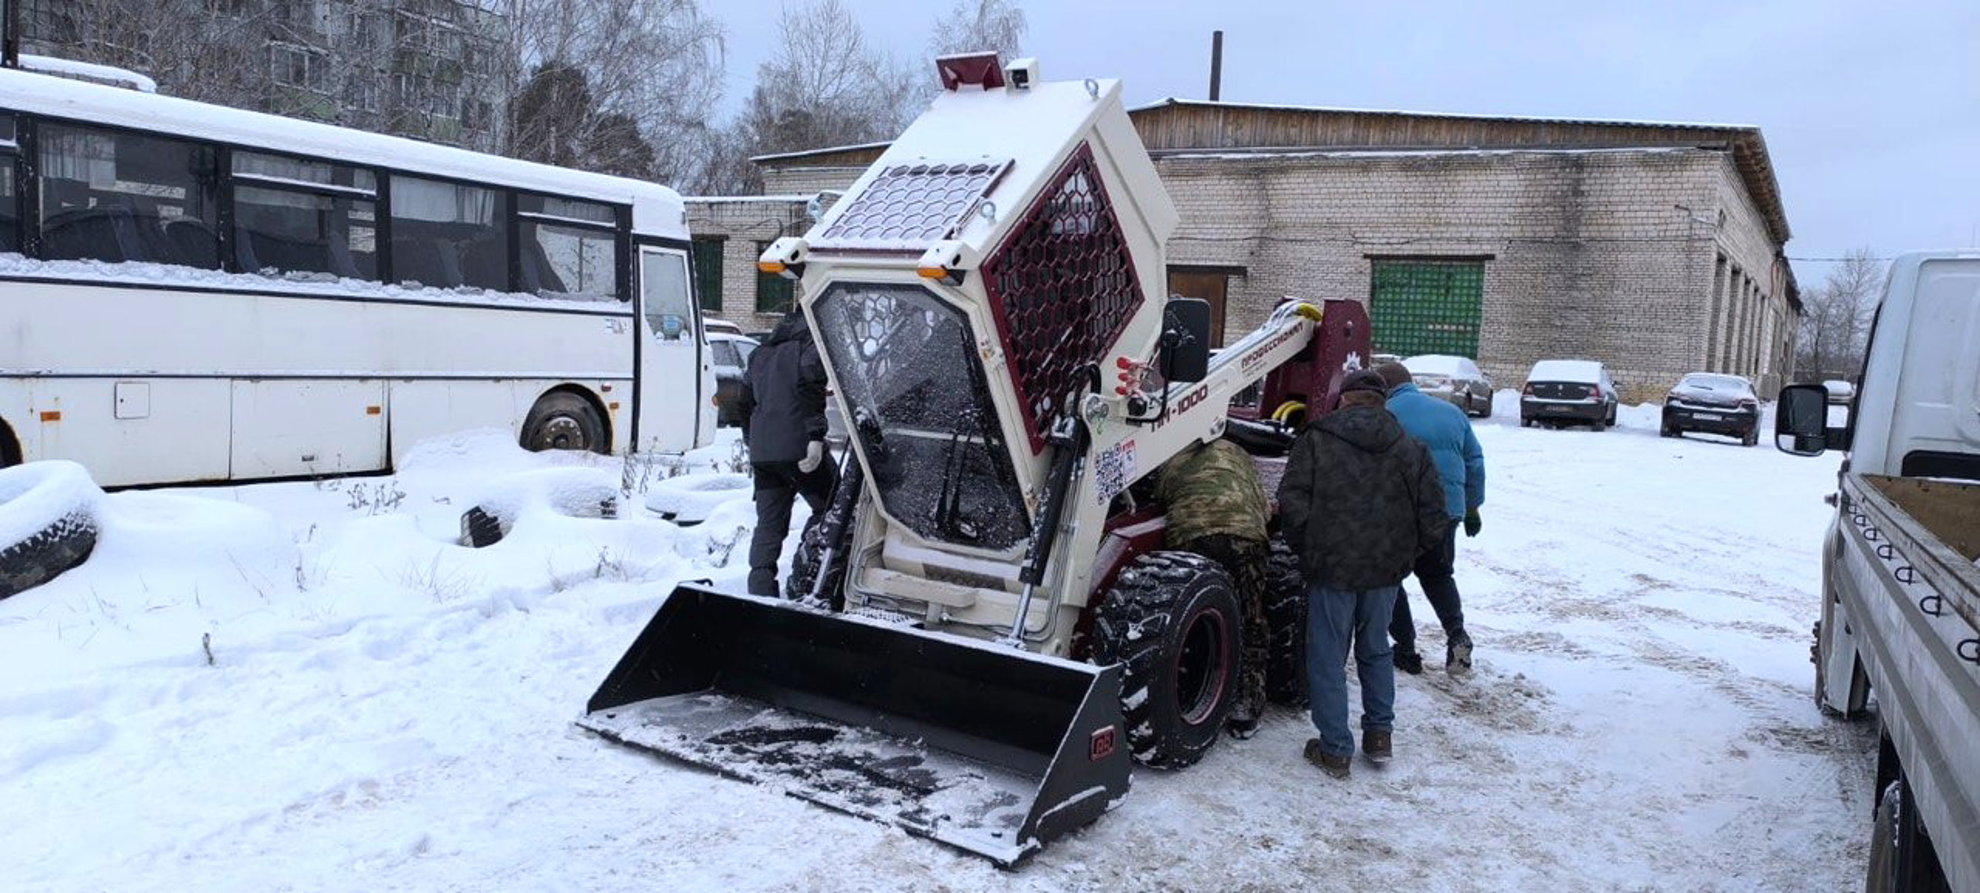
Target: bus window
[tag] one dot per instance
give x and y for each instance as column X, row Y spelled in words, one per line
column 298, row 232
column 446, row 235
column 10, row 222
column 669, row 306
column 116, row 197
column 569, row 248
column 301, row 216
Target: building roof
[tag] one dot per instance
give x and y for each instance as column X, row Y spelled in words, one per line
column 1198, row 127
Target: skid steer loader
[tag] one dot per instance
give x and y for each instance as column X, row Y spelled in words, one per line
column 983, row 626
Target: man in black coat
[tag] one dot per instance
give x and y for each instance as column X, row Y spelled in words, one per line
column 783, row 410
column 1359, row 502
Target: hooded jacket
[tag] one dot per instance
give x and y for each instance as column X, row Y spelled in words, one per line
column 783, row 394
column 1360, row 500
column 1447, row 433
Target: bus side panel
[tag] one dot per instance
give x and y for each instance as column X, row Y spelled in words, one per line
column 296, row 427
column 125, row 431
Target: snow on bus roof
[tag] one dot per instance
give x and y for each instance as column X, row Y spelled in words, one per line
column 106, row 74
column 657, row 209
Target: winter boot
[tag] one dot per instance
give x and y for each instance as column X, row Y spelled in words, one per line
column 1457, row 653
column 1410, row 662
column 1378, row 747
column 1328, row 763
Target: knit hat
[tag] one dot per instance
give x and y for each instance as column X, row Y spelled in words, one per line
column 1364, row 380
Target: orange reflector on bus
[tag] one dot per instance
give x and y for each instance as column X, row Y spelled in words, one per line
column 373, row 410
column 54, row 416
column 612, row 406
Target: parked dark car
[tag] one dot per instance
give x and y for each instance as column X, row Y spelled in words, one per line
column 1713, row 403
column 1561, row 392
column 730, row 356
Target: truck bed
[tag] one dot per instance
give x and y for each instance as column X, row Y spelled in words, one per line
column 1907, row 579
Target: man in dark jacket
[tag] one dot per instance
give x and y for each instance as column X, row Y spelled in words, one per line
column 783, row 410
column 1359, row 502
column 1460, row 462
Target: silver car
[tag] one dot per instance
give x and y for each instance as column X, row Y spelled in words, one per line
column 1456, row 379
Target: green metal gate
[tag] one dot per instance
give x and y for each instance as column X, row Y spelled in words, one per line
column 1421, row 307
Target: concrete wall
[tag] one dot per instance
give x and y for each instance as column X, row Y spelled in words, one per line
column 742, row 223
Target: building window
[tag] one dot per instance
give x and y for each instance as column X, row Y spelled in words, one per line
column 708, row 272
column 774, row 293
column 1426, row 306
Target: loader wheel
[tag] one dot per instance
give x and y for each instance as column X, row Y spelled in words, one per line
column 804, row 566
column 1171, row 620
column 1285, row 616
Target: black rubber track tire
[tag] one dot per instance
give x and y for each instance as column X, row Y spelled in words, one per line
column 564, row 421
column 1285, row 616
column 58, row 544
column 1168, row 610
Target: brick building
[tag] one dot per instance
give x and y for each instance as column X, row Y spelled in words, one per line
column 1656, row 248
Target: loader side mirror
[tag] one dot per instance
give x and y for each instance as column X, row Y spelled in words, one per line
column 1186, row 340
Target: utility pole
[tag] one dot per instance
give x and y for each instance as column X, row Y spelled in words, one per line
column 1216, row 64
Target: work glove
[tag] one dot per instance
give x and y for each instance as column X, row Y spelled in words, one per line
column 814, row 456
column 1472, row 522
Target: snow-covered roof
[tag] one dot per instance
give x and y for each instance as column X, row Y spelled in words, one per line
column 657, row 210
column 1586, row 371
column 1204, row 103
column 121, row 77
column 803, row 153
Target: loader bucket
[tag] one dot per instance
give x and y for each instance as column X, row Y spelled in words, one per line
column 982, row 746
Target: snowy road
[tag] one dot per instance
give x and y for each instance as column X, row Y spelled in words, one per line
column 388, row 711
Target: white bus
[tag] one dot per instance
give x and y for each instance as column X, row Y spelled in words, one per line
column 197, row 293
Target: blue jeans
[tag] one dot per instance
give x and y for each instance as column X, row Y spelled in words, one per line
column 1333, row 617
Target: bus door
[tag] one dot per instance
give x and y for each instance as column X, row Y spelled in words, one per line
column 676, row 383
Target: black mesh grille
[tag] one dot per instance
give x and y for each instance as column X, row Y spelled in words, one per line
column 1062, row 287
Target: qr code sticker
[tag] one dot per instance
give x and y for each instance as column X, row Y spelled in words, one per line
column 1112, row 471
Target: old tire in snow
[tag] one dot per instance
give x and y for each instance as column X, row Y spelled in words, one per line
column 1285, row 616
column 571, row 492
column 689, row 499
column 1171, row 620
column 47, row 522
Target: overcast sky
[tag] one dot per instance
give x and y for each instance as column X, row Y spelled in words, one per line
column 1870, row 110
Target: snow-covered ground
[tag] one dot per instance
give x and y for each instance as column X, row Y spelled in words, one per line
column 386, row 710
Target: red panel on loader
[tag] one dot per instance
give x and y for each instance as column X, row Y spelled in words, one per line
column 1061, row 287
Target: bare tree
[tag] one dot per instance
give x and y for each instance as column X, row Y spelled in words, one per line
column 1836, row 317
column 653, row 65
column 972, row 25
column 826, row 85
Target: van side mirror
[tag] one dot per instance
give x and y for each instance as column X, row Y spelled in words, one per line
column 1185, row 340
column 1801, row 420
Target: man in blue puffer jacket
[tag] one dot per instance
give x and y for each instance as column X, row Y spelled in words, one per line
column 1461, row 466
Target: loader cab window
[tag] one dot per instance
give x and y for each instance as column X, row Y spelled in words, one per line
column 920, row 407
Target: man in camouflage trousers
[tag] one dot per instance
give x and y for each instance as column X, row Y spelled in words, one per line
column 1216, row 508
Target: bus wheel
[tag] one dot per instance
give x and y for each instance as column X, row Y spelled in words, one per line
column 562, row 420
